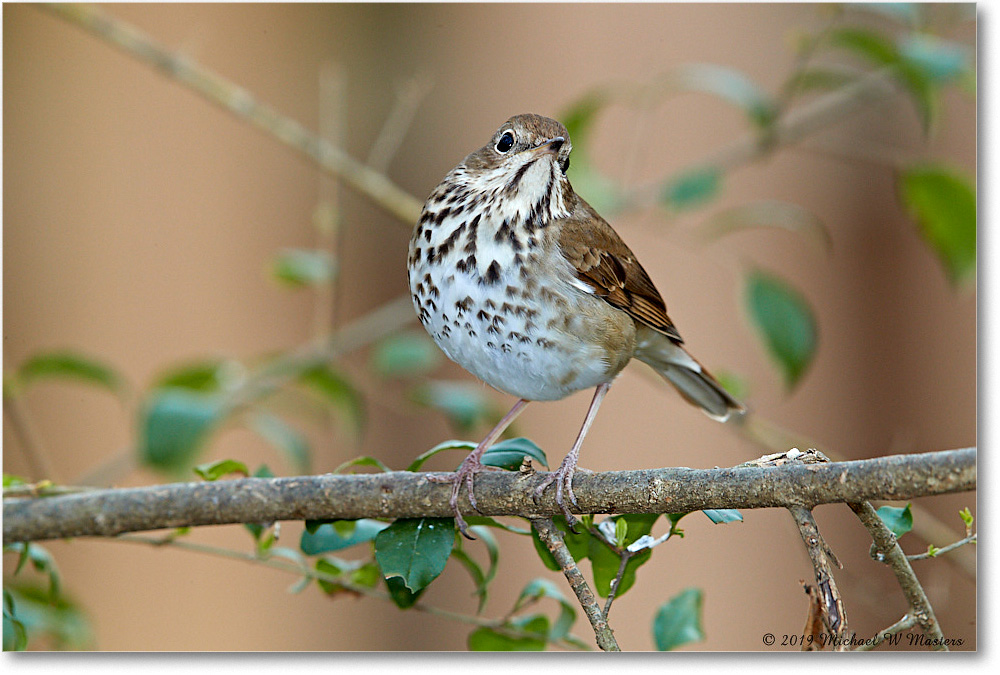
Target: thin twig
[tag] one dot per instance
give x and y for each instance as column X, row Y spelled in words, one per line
column 28, row 438
column 797, row 124
column 238, row 101
column 971, row 539
column 626, row 555
column 552, row 537
column 329, row 233
column 283, row 565
column 776, row 438
column 889, row 552
column 408, row 99
column 371, row 327
column 908, row 621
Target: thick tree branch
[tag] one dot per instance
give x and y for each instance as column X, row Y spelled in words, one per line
column 403, row 494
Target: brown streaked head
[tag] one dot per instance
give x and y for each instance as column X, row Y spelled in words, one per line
column 523, row 133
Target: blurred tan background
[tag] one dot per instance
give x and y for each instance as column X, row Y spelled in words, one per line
column 139, row 221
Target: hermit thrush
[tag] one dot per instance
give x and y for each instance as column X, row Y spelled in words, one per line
column 524, row 285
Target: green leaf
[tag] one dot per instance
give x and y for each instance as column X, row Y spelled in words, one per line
column 605, row 562
column 486, row 521
column 718, row 516
column 69, row 365
column 769, row 214
column 285, row 438
column 415, row 549
column 733, row 383
column 678, row 621
column 343, row 569
column 587, row 180
column 405, row 355
column 41, row 560
column 510, row 453
column 579, row 117
column 578, row 543
column 906, row 13
column 785, row 322
column 211, row 471
column 327, row 537
column 480, row 579
column 943, row 203
column 363, row 461
column 491, row 640
column 692, row 188
column 462, row 402
column 544, row 588
column 174, row 425
column 733, row 86
column 60, row 621
column 15, row 637
column 338, row 392
column 10, row 480
column 600, row 191
column 368, row 575
column 440, row 447
column 303, row 267
column 898, row 520
column 939, row 60
column 869, row 45
column 873, row 47
column 967, row 518
column 820, row 79
column 402, row 596
column 675, row 518
column 206, row 376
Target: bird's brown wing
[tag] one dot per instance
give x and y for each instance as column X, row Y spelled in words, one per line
column 605, row 263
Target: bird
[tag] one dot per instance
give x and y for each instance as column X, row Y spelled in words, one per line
column 522, row 283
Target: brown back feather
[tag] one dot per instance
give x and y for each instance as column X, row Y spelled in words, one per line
column 605, row 263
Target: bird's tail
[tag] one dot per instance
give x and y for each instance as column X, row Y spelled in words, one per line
column 689, row 377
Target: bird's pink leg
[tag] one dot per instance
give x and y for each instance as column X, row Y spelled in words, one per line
column 473, row 465
column 563, row 478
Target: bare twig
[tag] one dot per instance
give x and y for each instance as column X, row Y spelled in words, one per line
column 403, row 494
column 831, row 602
column 552, row 537
column 28, row 438
column 233, row 98
column 625, row 555
column 408, row 99
column 373, row 326
column 284, row 565
column 888, row 551
column 794, row 126
column 908, row 621
column 971, row 539
column 329, row 233
column 771, row 436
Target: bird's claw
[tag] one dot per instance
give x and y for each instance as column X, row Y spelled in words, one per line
column 563, row 478
column 466, row 474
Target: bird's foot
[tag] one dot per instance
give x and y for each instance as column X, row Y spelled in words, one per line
column 466, row 474
column 563, row 478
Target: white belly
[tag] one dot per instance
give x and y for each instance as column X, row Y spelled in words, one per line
column 530, row 350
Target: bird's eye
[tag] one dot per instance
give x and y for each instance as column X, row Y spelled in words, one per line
column 506, row 142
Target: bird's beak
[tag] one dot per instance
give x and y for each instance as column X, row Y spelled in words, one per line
column 551, row 146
